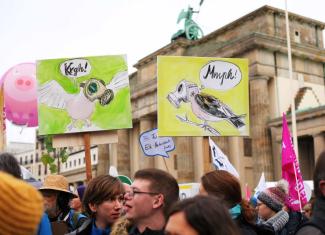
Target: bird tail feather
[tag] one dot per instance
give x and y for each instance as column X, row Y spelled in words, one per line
column 237, row 121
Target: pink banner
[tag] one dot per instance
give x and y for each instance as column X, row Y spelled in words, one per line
column 291, row 170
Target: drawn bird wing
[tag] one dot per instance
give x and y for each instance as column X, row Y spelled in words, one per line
column 119, row 81
column 210, row 104
column 53, row 95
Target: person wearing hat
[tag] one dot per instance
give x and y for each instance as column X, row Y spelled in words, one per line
column 56, row 194
column 270, row 206
column 21, row 206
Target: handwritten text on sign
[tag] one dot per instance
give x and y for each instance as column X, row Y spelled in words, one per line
column 152, row 145
column 220, row 75
column 75, row 68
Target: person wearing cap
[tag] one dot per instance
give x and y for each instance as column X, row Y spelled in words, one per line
column 75, row 203
column 21, row 206
column 56, row 194
column 270, row 206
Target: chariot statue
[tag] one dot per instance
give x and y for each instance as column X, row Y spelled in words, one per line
column 191, row 30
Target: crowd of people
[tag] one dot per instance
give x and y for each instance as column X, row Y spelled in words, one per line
column 151, row 205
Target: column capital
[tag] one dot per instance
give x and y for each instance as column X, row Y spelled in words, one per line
column 146, row 118
column 258, row 77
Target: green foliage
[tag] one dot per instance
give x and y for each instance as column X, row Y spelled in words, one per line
column 53, row 168
column 53, row 156
column 47, row 159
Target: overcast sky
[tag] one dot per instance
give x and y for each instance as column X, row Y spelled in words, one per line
column 43, row 29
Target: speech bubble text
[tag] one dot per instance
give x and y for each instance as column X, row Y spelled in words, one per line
column 152, row 145
column 220, row 75
column 75, row 68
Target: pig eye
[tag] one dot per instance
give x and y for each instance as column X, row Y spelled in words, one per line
column 180, row 88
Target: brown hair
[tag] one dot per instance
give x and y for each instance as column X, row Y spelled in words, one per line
column 319, row 174
column 161, row 182
column 226, row 187
column 207, row 215
column 100, row 189
column 9, row 164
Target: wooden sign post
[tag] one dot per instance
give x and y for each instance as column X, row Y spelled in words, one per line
column 86, row 139
column 87, row 157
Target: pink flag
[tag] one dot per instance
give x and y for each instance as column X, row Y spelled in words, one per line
column 291, row 171
column 248, row 193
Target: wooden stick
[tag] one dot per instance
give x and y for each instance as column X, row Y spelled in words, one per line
column 87, row 156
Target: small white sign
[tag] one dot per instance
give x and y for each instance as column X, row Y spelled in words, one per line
column 188, row 190
column 75, row 68
column 220, row 75
column 152, row 145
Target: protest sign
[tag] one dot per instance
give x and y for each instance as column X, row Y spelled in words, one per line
column 202, row 96
column 152, row 145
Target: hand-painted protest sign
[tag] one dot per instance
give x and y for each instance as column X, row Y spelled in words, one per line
column 202, row 96
column 83, row 94
column 152, row 145
column 188, row 190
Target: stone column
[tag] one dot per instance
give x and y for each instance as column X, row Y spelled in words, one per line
column 319, row 144
column 236, row 153
column 113, row 154
column 182, row 159
column 276, row 152
column 146, row 124
column 103, row 159
column 135, row 151
column 259, row 116
column 123, row 159
column 198, row 158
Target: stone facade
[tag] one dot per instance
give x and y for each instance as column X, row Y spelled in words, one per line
column 259, row 36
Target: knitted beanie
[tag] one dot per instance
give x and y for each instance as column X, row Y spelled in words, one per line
column 21, row 206
column 275, row 197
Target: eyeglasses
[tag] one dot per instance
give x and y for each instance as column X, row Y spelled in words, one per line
column 133, row 192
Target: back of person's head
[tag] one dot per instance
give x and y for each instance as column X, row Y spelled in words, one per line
column 9, row 164
column 226, row 187
column 223, row 185
column 161, row 182
column 100, row 189
column 206, row 215
column 21, row 206
column 319, row 176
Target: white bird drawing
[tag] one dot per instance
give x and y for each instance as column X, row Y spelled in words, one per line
column 205, row 107
column 81, row 106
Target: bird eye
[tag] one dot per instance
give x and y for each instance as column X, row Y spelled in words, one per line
column 92, row 88
column 180, row 88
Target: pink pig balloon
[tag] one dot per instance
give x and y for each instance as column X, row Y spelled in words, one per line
column 19, row 85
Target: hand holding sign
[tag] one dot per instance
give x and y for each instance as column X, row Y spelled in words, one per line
column 152, row 145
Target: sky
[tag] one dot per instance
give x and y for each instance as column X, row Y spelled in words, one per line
column 44, row 29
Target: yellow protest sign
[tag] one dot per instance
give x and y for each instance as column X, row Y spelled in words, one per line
column 202, row 96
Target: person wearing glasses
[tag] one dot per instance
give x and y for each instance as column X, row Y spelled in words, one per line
column 151, row 195
column 102, row 201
